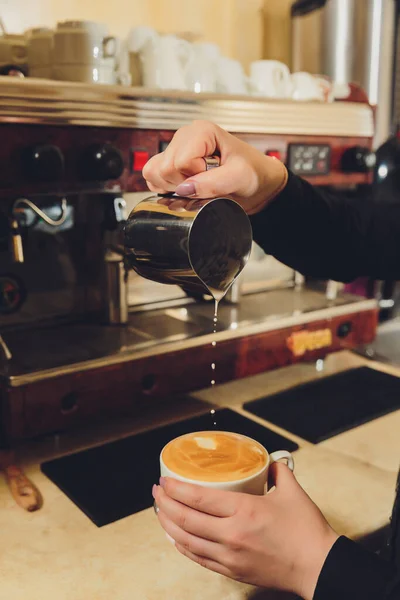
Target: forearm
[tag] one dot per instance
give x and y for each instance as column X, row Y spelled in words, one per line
column 328, row 235
column 351, row 572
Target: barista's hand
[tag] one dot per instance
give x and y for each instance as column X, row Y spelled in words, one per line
column 245, row 175
column 277, row 541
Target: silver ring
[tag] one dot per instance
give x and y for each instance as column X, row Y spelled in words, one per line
column 212, row 162
column 156, row 509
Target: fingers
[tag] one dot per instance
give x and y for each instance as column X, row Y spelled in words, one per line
column 222, row 181
column 192, row 143
column 154, row 175
column 225, row 180
column 280, row 475
column 164, row 173
column 217, row 503
column 184, row 156
column 192, row 543
column 188, row 519
column 204, row 562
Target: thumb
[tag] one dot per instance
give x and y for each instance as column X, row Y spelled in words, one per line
column 280, row 475
column 221, row 181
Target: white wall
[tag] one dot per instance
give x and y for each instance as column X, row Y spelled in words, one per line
column 244, row 29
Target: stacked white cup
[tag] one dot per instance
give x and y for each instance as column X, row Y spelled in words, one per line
column 84, row 52
column 270, row 79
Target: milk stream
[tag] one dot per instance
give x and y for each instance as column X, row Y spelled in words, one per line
column 217, row 295
column 213, row 344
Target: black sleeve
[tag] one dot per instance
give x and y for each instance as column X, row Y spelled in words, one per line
column 328, row 235
column 351, row 572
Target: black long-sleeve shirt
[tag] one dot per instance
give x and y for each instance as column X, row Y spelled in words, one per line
column 328, row 235
column 332, row 236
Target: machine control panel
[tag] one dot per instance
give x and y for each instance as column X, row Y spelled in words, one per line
column 305, row 159
column 66, row 159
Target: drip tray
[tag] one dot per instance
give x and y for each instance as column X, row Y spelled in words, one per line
column 322, row 409
column 170, row 325
column 113, row 481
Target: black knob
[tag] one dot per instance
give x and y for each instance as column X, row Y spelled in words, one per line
column 43, row 163
column 358, row 160
column 387, row 164
column 344, row 329
column 101, row 162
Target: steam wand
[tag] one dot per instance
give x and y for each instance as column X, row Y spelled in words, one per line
column 16, row 240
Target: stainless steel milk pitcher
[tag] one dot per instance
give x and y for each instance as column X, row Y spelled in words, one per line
column 200, row 245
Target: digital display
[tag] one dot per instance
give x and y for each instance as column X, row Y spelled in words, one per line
column 309, row 159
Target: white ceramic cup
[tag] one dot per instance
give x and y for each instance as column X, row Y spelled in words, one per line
column 164, row 62
column 102, row 73
column 133, row 46
column 340, row 91
column 254, row 484
column 270, row 78
column 82, row 42
column 138, row 36
column 307, row 87
column 13, row 50
column 201, row 73
column 231, row 78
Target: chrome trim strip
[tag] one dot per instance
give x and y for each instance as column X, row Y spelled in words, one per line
column 36, row 101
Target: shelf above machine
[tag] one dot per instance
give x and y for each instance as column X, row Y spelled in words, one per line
column 39, row 101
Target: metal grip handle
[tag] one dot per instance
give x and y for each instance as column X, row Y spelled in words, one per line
column 212, row 162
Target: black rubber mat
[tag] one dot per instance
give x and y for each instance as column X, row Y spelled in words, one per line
column 321, row 409
column 113, row 481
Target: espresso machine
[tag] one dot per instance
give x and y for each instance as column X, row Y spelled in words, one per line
column 82, row 337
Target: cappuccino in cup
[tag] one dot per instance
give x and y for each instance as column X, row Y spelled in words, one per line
column 220, row 460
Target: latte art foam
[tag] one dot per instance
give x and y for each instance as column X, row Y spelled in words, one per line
column 211, row 456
